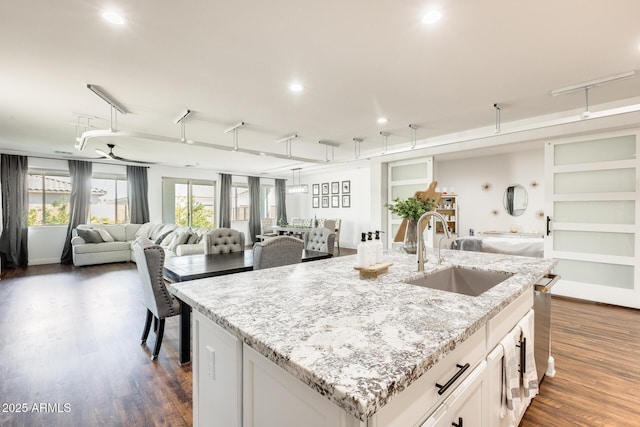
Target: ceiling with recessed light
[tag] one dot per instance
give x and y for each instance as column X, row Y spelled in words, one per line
column 324, row 71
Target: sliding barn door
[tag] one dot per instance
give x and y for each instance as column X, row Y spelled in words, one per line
column 592, row 217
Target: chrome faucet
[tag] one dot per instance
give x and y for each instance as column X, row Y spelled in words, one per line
column 421, row 248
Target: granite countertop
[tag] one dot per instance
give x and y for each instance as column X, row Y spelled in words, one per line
column 356, row 341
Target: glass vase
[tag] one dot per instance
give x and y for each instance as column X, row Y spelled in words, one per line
column 410, row 242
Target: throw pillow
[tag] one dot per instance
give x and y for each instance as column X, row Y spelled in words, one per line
column 144, row 230
column 89, row 236
column 161, row 238
column 179, row 239
column 104, row 234
column 193, row 239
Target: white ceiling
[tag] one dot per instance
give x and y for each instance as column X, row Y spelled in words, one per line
column 232, row 61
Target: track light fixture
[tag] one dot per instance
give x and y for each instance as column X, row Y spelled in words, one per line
column 593, row 83
column 328, row 144
column 498, row 108
column 356, row 143
column 107, row 98
column 385, row 135
column 235, row 129
column 413, row 128
column 181, row 121
column 287, row 141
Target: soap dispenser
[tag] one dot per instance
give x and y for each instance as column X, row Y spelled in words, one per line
column 361, row 257
column 378, row 248
column 371, row 249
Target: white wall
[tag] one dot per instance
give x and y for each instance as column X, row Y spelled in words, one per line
column 355, row 219
column 476, row 206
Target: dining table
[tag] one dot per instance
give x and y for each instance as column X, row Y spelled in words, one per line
column 192, row 267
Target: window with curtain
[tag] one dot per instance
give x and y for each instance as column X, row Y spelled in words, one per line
column 49, row 193
column 239, row 202
column 109, row 203
column 268, row 201
column 188, row 202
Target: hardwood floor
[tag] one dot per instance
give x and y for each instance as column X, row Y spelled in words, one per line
column 597, row 354
column 70, row 337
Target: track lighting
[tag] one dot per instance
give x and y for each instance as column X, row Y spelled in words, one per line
column 498, row 108
column 413, row 128
column 385, row 135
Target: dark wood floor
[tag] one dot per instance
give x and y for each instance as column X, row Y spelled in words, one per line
column 70, row 337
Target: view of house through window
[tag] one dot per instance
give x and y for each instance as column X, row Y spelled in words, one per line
column 188, row 202
column 48, row 199
column 109, row 204
column 239, row 202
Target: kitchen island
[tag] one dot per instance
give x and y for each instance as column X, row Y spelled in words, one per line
column 360, row 345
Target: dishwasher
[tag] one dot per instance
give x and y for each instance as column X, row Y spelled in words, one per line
column 542, row 337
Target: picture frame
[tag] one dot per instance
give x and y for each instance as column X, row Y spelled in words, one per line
column 325, row 200
column 346, row 201
column 325, row 188
column 315, row 201
column 335, row 201
column 346, row 187
column 335, row 187
column 315, row 189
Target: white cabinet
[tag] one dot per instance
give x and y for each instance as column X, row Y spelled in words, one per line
column 217, row 375
column 274, row 398
column 418, row 401
column 465, row 407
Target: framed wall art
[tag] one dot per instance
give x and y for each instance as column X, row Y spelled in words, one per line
column 325, row 188
column 315, row 189
column 325, row 201
column 335, row 187
column 346, row 187
column 335, row 201
column 346, row 201
column 315, row 202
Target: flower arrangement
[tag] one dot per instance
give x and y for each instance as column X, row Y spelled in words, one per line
column 411, row 208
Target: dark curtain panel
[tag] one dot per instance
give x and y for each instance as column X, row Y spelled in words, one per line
column 225, row 201
column 254, row 207
column 14, row 175
column 80, row 173
column 281, row 200
column 137, row 189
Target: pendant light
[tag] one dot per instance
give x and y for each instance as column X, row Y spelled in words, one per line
column 298, row 188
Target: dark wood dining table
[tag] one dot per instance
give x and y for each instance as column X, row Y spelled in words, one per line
column 192, row 267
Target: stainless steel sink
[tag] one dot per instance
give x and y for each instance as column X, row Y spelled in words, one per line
column 462, row 280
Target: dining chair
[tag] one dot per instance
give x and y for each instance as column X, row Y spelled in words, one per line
column 266, row 234
column 277, row 251
column 223, row 241
column 319, row 239
column 159, row 302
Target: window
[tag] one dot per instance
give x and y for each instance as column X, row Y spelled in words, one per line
column 49, row 194
column 239, row 202
column 188, row 202
column 268, row 201
column 109, row 204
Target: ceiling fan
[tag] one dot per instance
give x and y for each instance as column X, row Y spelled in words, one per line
column 112, row 156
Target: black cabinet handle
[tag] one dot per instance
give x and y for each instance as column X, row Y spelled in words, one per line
column 443, row 388
column 548, row 226
column 459, row 423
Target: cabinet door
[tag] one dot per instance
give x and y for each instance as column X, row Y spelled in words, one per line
column 217, row 375
column 465, row 406
column 274, row 398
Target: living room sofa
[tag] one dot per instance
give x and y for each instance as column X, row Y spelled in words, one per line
column 106, row 243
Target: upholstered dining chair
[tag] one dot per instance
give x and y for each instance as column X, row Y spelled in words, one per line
column 160, row 303
column 319, row 239
column 277, row 251
column 223, row 241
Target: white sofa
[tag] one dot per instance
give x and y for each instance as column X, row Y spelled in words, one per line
column 87, row 249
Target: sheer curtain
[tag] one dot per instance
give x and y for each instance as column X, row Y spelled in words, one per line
column 14, row 177
column 254, row 207
column 281, row 200
column 225, row 200
column 137, row 189
column 80, row 173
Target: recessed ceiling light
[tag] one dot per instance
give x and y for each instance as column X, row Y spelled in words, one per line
column 382, row 120
column 432, row 17
column 296, row 87
column 113, row 17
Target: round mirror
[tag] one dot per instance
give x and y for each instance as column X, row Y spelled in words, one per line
column 515, row 200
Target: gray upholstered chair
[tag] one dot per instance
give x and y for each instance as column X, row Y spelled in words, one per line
column 223, row 241
column 319, row 239
column 277, row 251
column 159, row 302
